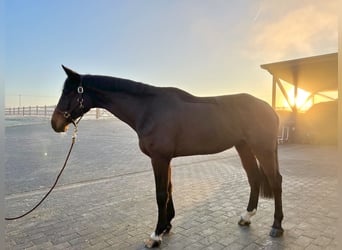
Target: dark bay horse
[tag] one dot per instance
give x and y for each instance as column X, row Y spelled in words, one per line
column 170, row 122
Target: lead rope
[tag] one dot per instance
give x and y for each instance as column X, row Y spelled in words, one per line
column 73, row 139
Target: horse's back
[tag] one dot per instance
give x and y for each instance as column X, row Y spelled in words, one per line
column 187, row 125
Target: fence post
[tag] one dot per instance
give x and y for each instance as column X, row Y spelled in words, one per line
column 97, row 113
column 45, row 111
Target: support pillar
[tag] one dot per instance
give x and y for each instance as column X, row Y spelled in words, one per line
column 274, row 93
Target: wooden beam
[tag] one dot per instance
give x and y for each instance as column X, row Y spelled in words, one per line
column 295, row 84
column 312, row 97
column 325, row 96
column 307, row 100
column 284, row 92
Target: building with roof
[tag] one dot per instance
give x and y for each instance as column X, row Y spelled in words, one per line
column 317, row 76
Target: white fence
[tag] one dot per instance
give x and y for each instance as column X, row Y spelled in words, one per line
column 46, row 111
column 30, row 111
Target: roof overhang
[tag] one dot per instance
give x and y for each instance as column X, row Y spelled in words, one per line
column 313, row 74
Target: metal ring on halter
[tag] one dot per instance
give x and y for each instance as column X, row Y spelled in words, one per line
column 80, row 90
column 67, row 115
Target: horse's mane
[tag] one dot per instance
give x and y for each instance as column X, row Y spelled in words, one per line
column 115, row 84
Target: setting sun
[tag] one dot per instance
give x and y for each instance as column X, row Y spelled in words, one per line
column 302, row 103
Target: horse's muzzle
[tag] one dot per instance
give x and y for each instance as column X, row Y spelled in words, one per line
column 58, row 122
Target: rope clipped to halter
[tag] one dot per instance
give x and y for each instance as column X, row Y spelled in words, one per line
column 73, row 140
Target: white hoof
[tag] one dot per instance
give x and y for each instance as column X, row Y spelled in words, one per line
column 245, row 218
column 153, row 241
column 155, row 237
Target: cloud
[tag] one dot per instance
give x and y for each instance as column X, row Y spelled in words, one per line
column 290, row 31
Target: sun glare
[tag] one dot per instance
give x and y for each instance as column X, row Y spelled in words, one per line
column 302, row 103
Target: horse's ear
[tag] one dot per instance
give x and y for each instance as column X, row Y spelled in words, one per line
column 71, row 74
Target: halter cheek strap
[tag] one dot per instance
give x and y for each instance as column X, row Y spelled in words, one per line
column 80, row 100
column 80, row 91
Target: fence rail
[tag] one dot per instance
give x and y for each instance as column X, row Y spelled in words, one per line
column 47, row 111
column 30, row 111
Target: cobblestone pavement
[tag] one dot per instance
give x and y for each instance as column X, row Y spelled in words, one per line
column 105, row 199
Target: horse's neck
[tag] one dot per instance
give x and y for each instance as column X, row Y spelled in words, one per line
column 125, row 106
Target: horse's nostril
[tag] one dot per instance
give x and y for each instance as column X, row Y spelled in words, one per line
column 58, row 123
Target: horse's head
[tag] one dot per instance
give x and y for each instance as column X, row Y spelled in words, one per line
column 72, row 104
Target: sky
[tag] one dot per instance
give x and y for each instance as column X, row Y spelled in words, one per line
column 204, row 47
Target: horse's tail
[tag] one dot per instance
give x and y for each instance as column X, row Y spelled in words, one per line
column 265, row 187
column 266, row 190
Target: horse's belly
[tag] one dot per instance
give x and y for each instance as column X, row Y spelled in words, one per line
column 202, row 144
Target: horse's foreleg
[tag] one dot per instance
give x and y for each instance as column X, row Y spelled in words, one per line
column 162, row 179
column 170, row 208
column 250, row 165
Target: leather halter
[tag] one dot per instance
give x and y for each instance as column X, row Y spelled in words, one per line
column 67, row 114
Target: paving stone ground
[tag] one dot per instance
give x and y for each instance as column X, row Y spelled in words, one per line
column 105, row 198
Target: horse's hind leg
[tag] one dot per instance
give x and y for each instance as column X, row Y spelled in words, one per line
column 251, row 167
column 270, row 168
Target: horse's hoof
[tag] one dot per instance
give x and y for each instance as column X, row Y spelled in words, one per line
column 243, row 222
column 276, row 232
column 150, row 243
